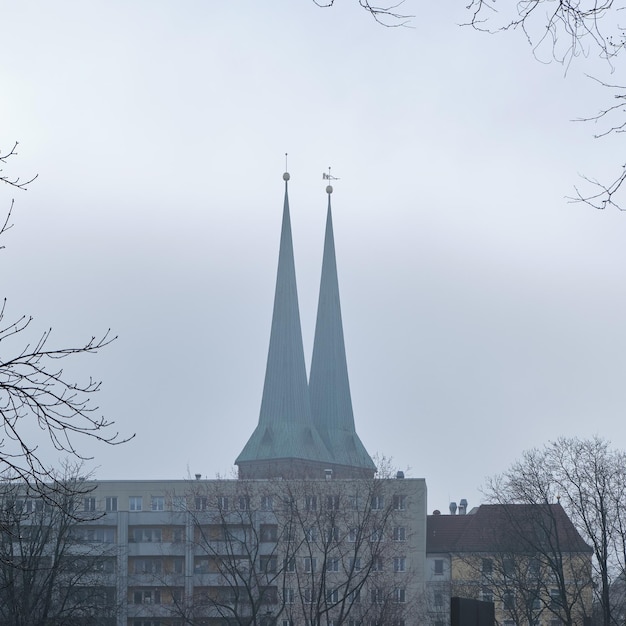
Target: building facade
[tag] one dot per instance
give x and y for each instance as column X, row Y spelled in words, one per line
column 258, row 551
column 529, row 560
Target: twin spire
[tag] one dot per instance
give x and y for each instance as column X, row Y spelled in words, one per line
column 305, row 428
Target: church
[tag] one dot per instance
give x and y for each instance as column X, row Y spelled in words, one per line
column 310, row 533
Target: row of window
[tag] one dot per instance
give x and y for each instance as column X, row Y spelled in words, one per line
column 269, row 564
column 268, row 533
column 226, row 503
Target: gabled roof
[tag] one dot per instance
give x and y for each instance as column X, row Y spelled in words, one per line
column 331, row 403
column 285, row 429
column 499, row 528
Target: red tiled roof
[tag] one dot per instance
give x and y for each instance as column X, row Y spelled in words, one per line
column 497, row 527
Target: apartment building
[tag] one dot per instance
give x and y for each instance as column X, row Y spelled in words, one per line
column 258, row 551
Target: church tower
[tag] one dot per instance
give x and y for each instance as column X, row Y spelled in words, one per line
column 331, row 402
column 285, row 442
column 305, row 430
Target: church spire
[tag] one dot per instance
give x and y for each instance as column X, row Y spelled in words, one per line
column 285, row 441
column 331, row 403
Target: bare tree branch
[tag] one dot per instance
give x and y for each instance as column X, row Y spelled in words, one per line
column 385, row 14
column 34, row 389
column 570, row 29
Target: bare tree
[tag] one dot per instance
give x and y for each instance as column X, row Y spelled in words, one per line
column 299, row 551
column 588, row 478
column 569, row 29
column 51, row 572
column 34, row 387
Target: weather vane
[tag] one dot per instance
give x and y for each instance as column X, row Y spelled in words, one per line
column 329, row 176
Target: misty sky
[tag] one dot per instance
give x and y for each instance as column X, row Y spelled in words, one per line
column 483, row 314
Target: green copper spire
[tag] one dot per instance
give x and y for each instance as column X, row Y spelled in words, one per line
column 329, row 386
column 285, row 440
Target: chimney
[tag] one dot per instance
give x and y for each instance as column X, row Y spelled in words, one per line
column 452, row 508
column 198, row 476
column 328, row 473
column 462, row 506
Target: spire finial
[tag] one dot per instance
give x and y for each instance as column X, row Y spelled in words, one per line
column 286, row 176
column 329, row 176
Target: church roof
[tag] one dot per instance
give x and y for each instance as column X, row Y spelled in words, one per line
column 331, row 403
column 285, row 429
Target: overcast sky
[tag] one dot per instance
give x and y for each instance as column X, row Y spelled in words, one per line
column 483, row 314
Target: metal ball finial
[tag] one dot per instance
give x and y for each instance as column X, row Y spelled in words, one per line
column 329, row 189
column 286, row 176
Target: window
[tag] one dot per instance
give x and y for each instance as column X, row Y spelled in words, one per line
column 157, row 503
column 179, row 503
column 332, row 595
column 135, row 503
column 377, row 564
column 243, row 503
column 332, row 503
column 200, row 503
column 438, row 567
column 378, row 503
column 355, row 564
column 487, row 567
column 178, row 565
column 311, row 534
column 399, row 502
column 177, row 595
column 178, row 535
column 286, row 622
column 377, row 535
column 399, row 594
column 307, row 595
column 399, row 533
column 509, row 567
column 222, row 503
column 354, row 597
column 331, row 534
column 533, row 568
column 486, row 594
column 267, row 503
column 310, row 564
column 268, row 564
column 148, row 566
column 352, row 535
column 332, row 565
column 354, row 503
column 268, row 532
column 310, row 503
column 438, row 599
column 555, row 598
column 93, row 534
column 508, row 600
column 147, row 535
column 147, row 597
column 399, row 564
column 111, row 503
column 89, row 504
column 290, row 565
column 290, row 596
column 377, row 596
column 534, row 603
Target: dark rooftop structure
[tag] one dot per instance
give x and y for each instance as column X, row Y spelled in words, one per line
column 499, row 527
